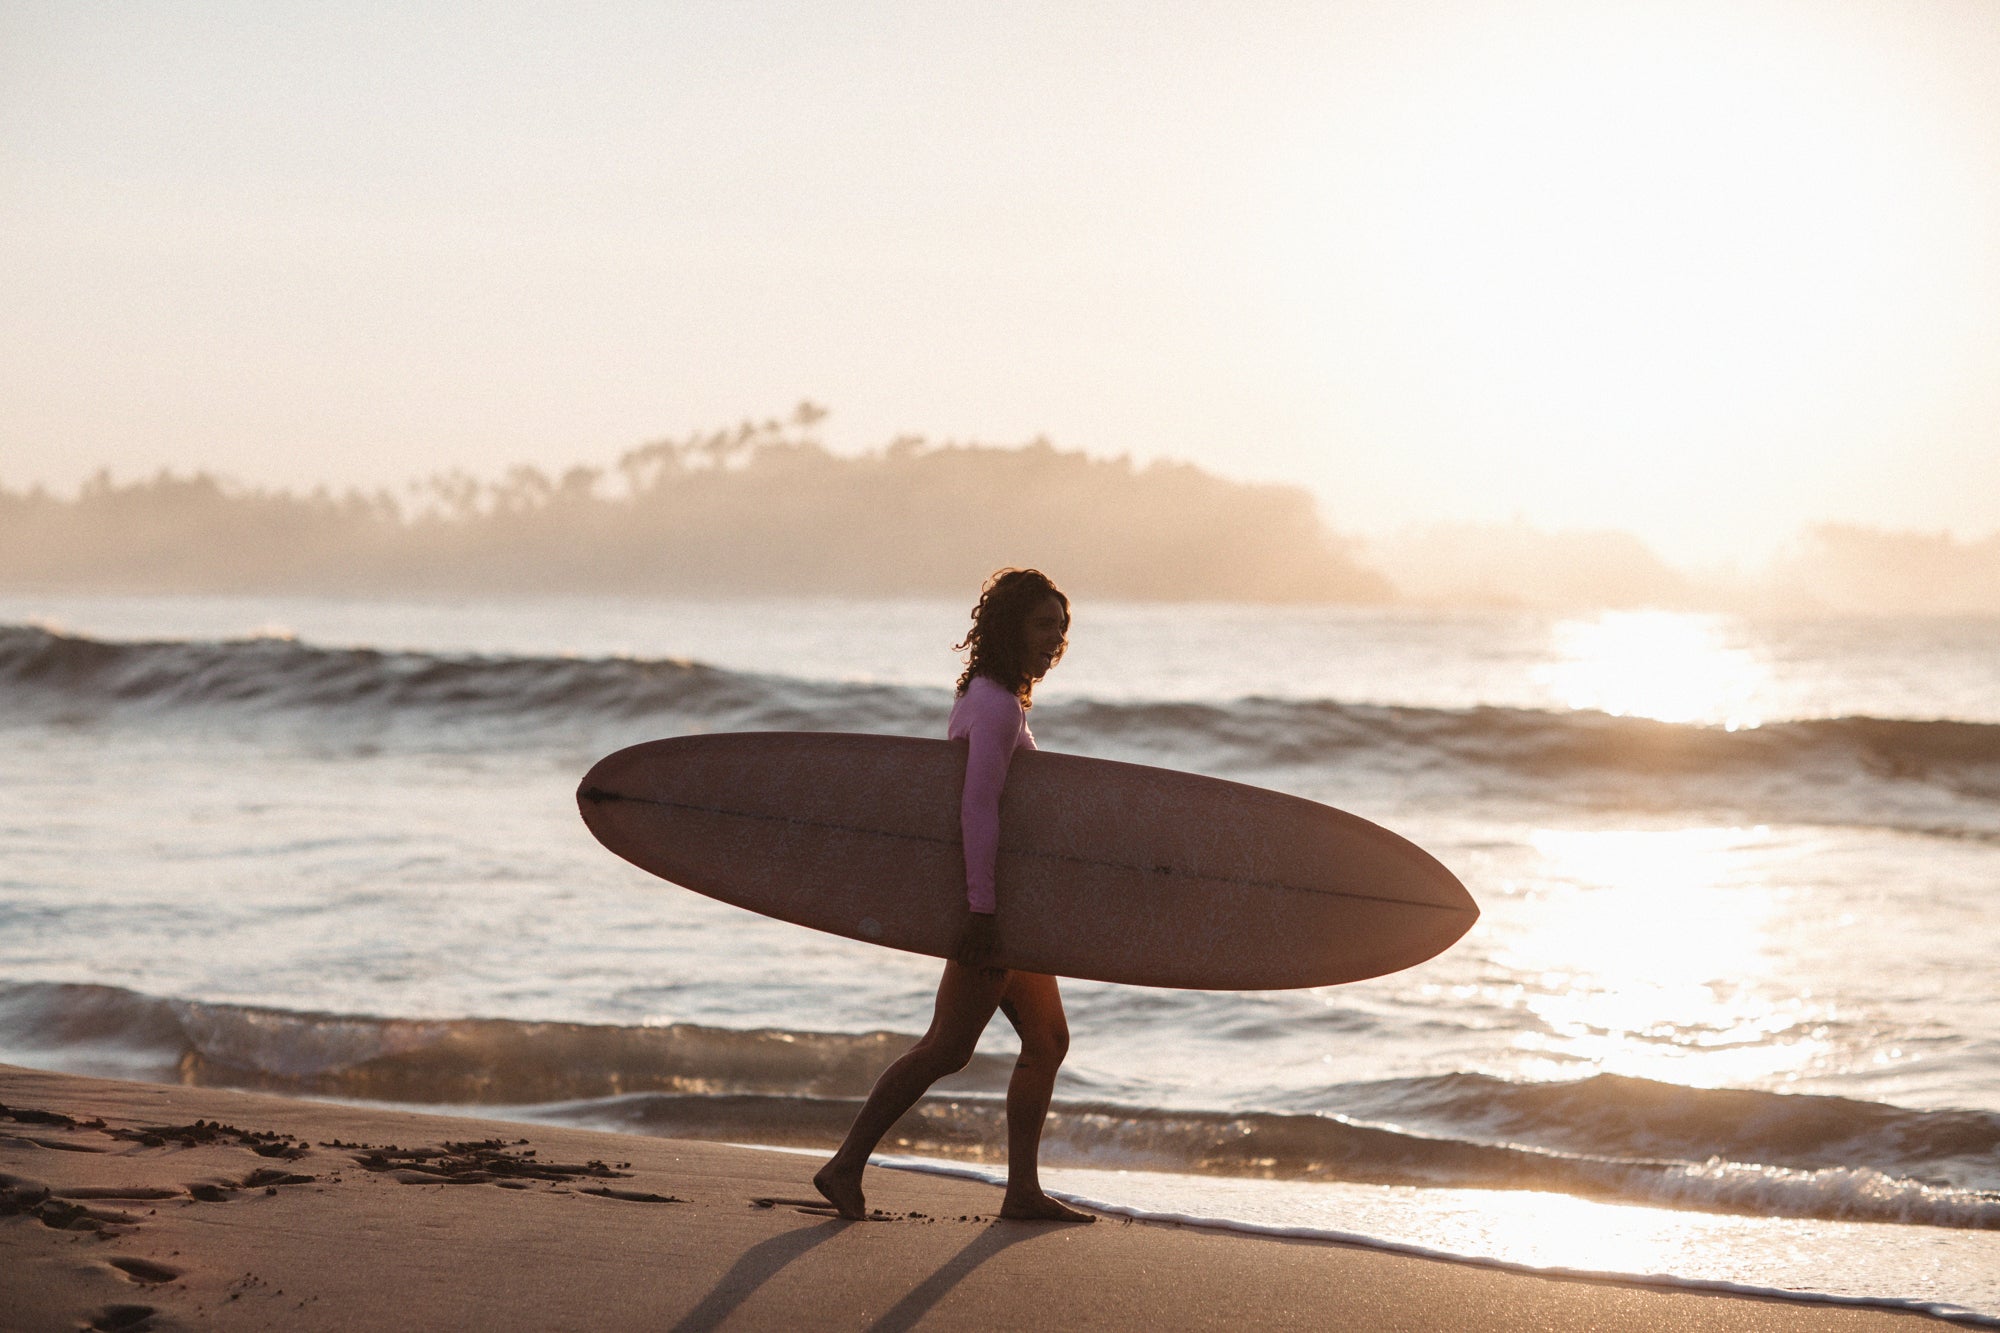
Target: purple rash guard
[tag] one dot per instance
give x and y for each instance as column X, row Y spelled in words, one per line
column 994, row 725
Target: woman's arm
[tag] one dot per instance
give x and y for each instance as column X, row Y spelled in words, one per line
column 994, row 732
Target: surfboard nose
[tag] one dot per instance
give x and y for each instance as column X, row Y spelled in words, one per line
column 613, row 784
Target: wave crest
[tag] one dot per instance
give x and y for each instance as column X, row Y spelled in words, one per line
column 1714, row 1150
column 1940, row 777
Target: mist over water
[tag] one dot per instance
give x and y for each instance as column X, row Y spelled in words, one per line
column 1734, row 961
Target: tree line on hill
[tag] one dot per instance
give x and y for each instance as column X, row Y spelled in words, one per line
column 762, row 509
column 765, row 509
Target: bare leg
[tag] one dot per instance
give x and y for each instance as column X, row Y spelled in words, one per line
column 1033, row 1005
column 966, row 999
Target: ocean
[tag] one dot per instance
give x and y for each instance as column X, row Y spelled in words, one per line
column 1730, row 1016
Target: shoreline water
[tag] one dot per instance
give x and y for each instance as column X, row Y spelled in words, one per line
column 1120, row 1184
column 1602, row 1138
column 104, row 1222
column 1947, row 1271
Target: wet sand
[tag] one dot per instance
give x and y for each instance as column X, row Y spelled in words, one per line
column 144, row 1206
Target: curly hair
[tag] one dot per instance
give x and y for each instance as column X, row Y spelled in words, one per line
column 994, row 641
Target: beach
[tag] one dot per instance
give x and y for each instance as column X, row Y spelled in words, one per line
column 252, row 1212
column 1523, row 699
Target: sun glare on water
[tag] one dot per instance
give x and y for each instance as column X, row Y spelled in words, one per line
column 1646, row 953
column 1669, row 666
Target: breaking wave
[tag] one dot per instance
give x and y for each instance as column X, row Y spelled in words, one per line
column 1609, row 1137
column 82, row 678
column 1936, row 777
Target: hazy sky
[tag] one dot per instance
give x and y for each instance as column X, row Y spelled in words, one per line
column 1705, row 271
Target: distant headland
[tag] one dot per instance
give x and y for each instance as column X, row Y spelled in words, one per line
column 764, row 509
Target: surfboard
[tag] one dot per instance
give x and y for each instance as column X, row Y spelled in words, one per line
column 1108, row 871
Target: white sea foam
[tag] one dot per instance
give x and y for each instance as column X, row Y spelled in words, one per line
column 1951, row 1275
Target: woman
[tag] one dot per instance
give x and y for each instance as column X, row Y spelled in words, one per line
column 1019, row 630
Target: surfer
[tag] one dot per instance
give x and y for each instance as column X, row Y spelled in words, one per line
column 1019, row 630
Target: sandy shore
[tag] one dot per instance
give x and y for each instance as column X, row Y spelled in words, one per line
column 120, row 1208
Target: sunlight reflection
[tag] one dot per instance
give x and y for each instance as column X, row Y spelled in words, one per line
column 1647, row 952
column 1545, row 1230
column 1557, row 1230
column 1667, row 665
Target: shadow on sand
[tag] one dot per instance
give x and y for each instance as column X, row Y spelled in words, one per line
column 764, row 1261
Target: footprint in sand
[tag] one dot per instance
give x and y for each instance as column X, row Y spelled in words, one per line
column 144, row 1271
column 53, row 1145
column 630, row 1196
column 62, row 1215
column 821, row 1208
column 122, row 1319
column 265, row 1178
column 118, row 1192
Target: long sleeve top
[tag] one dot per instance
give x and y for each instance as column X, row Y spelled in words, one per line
column 994, row 725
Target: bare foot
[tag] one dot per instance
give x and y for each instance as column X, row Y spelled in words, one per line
column 843, row 1190
column 1042, row 1208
